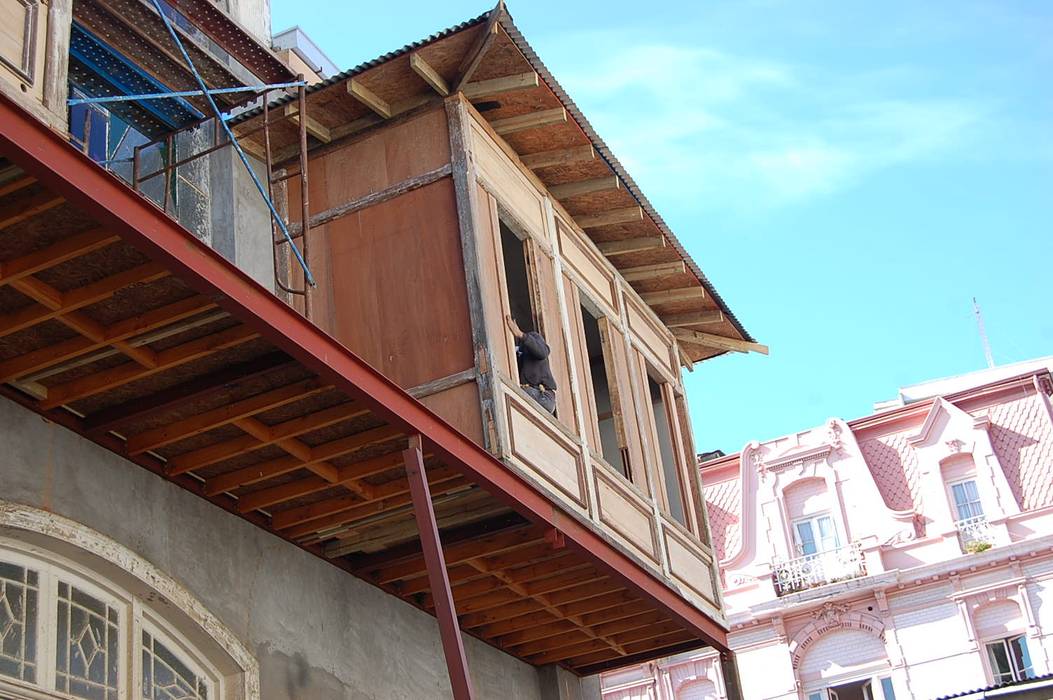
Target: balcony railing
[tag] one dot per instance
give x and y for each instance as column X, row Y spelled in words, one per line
column 819, row 569
column 975, row 534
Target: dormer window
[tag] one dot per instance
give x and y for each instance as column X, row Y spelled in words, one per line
column 815, row 535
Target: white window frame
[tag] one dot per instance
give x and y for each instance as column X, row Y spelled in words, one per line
column 829, row 692
column 813, row 523
column 954, row 502
column 1018, row 674
column 133, row 617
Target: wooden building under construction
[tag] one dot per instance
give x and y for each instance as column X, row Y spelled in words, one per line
column 283, row 428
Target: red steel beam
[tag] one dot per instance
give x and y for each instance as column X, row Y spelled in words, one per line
column 70, row 173
column 438, row 578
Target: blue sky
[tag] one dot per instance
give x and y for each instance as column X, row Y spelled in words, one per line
column 848, row 174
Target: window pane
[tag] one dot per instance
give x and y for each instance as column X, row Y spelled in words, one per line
column 887, row 689
column 1021, row 657
column 815, row 696
column 166, row 676
column 18, row 622
column 827, row 533
column 806, row 539
column 87, row 657
column 1000, row 666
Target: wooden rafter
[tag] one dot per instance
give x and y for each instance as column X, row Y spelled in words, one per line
column 631, row 245
column 695, row 318
column 575, row 189
column 530, row 120
column 429, row 74
column 615, row 216
column 55, row 254
column 643, row 273
column 314, row 127
column 367, row 97
column 497, row 86
column 669, row 296
column 482, row 44
column 17, row 212
column 718, row 342
column 561, row 156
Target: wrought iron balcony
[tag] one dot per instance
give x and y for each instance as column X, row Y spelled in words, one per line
column 975, row 534
column 819, row 569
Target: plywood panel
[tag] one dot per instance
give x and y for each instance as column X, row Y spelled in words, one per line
column 626, row 401
column 492, row 283
column 399, row 294
column 598, row 280
column 552, row 329
column 658, row 343
column 381, row 159
column 460, row 408
column 577, row 345
column 688, row 564
column 512, row 189
column 542, row 450
column 624, row 513
column 23, row 36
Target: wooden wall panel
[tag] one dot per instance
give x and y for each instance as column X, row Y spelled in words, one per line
column 624, row 513
column 545, row 277
column 399, row 294
column 626, row 398
column 460, row 408
column 379, row 160
column 513, row 190
column 492, row 282
column 544, row 451
column 657, row 341
column 598, row 280
column 577, row 346
column 689, row 565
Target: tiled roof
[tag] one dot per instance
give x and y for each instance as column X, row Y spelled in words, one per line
column 894, row 465
column 724, row 507
column 1023, row 439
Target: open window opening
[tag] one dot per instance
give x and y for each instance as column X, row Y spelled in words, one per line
column 879, row 688
column 674, row 488
column 518, row 287
column 608, row 417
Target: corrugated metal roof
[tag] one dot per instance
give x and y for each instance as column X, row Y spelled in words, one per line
column 1022, row 684
column 598, row 143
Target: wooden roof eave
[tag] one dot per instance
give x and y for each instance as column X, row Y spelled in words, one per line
column 74, row 179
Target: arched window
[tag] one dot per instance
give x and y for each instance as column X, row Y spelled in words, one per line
column 68, row 630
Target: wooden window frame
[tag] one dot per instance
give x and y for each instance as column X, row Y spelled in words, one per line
column 665, row 387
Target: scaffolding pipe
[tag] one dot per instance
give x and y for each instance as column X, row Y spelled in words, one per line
column 184, row 93
column 234, row 141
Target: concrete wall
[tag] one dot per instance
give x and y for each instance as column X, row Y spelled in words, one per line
column 317, row 632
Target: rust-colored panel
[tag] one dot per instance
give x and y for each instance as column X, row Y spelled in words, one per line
column 379, row 160
column 399, row 294
column 460, row 408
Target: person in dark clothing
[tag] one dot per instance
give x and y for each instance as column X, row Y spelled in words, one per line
column 535, row 375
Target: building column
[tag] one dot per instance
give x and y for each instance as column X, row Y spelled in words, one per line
column 557, row 683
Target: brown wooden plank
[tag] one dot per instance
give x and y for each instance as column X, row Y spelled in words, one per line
column 16, row 212
column 55, row 254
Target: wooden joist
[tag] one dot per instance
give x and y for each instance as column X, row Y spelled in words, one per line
column 631, row 245
column 695, row 318
column 17, row 212
column 367, row 97
column 669, row 296
column 575, row 189
column 51, row 356
column 562, row 156
column 428, row 74
column 471, row 61
column 55, row 254
column 497, row 86
column 531, row 120
column 80, row 297
column 615, row 216
column 314, row 127
column 217, row 452
column 643, row 273
column 169, row 358
column 718, row 342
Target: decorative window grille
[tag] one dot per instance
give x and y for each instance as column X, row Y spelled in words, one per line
column 64, row 636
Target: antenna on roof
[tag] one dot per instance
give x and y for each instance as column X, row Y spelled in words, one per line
column 983, row 333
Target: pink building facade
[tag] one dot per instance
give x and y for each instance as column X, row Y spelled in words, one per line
column 908, row 554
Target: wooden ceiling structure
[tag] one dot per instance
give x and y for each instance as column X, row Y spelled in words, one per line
column 118, row 324
column 491, row 62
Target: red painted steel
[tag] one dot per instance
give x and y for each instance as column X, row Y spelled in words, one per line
column 438, row 578
column 46, row 155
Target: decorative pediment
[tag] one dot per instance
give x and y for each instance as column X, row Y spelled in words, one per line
column 959, row 425
column 796, row 458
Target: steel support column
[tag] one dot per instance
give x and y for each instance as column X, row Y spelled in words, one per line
column 438, row 579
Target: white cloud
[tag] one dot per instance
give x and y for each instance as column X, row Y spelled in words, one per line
column 696, row 122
